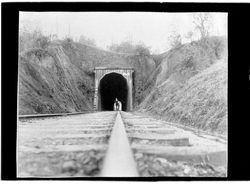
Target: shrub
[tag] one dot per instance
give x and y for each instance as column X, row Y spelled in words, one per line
column 42, row 42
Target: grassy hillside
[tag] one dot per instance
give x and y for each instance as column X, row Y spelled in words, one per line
column 189, row 59
column 191, row 86
column 88, row 57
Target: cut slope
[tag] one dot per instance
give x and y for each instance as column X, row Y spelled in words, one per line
column 60, row 78
column 50, row 83
column 190, row 85
column 187, row 60
column 200, row 103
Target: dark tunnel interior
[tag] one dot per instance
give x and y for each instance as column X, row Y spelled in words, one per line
column 113, row 86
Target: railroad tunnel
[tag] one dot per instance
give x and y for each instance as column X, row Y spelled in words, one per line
column 111, row 83
column 111, row 86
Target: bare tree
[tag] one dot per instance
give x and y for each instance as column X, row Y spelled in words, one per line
column 189, row 36
column 129, row 47
column 87, row 41
column 123, row 47
column 202, row 22
column 175, row 39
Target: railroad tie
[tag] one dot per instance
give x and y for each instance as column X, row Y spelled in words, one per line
column 119, row 160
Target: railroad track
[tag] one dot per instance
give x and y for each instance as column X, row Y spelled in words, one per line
column 51, row 115
column 113, row 144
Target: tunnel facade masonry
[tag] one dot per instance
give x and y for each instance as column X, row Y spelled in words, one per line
column 118, row 79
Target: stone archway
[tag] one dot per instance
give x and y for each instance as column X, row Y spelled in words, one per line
column 111, row 83
column 112, row 86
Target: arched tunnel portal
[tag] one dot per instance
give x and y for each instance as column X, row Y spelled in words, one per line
column 112, row 86
column 112, row 83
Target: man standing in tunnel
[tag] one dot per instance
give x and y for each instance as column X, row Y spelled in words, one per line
column 117, row 105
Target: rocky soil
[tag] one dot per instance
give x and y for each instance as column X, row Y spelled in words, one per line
column 64, row 146
column 75, row 146
column 162, row 149
column 153, row 165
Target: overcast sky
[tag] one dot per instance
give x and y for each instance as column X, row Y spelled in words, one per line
column 153, row 29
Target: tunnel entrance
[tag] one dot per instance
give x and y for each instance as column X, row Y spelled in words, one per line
column 113, row 85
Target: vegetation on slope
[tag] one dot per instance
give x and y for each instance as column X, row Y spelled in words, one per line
column 191, row 86
column 50, row 83
column 58, row 76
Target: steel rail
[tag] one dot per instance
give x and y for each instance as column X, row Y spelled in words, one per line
column 51, row 115
column 119, row 160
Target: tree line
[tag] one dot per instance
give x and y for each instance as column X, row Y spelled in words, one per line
column 36, row 39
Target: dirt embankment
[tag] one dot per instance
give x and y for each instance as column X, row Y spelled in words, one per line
column 191, row 86
column 60, row 78
column 50, row 83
